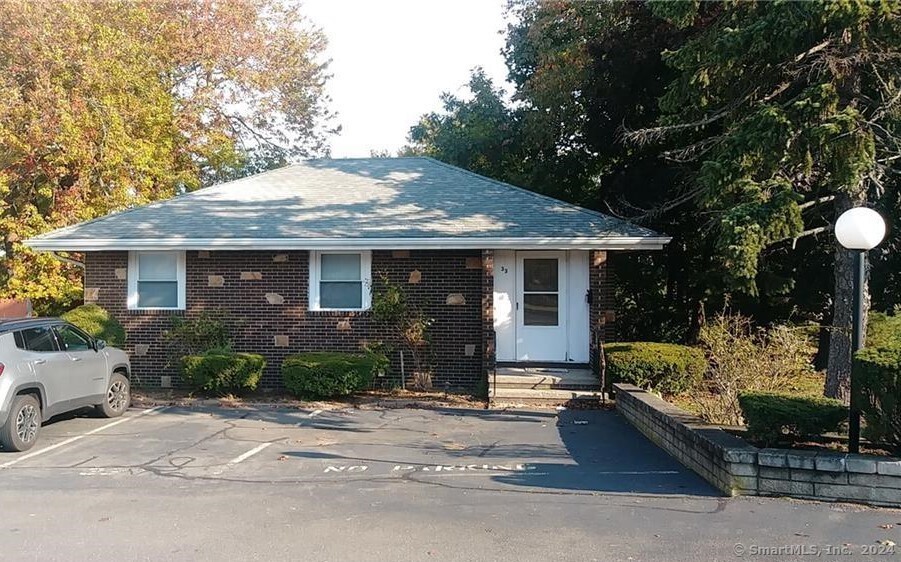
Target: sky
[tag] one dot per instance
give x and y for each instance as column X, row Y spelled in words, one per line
column 392, row 59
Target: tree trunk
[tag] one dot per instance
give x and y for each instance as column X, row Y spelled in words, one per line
column 838, row 371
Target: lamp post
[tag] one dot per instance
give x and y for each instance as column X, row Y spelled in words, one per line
column 860, row 230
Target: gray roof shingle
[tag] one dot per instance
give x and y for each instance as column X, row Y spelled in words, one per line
column 373, row 200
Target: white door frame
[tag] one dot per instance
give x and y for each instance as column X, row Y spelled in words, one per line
column 542, row 343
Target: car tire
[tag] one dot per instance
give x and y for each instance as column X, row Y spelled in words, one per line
column 21, row 430
column 117, row 398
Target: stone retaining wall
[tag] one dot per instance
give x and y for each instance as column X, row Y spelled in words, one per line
column 737, row 468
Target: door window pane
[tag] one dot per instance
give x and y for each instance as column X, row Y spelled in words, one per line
column 540, row 275
column 340, row 295
column 157, row 294
column 540, row 309
column 73, row 340
column 39, row 339
column 340, row 267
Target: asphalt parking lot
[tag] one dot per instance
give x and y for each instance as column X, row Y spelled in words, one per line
column 271, row 484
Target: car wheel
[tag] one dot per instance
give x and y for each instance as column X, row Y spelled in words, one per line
column 118, row 397
column 24, row 424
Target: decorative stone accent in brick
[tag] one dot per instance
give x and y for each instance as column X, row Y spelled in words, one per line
column 343, row 325
column 141, row 349
column 455, row 299
column 91, row 294
column 121, row 273
column 399, row 254
column 166, row 381
column 275, row 298
column 279, row 258
column 251, row 276
column 203, row 254
column 215, row 281
column 415, row 277
column 473, row 263
column 280, row 341
column 469, row 349
column 599, row 259
column 610, row 315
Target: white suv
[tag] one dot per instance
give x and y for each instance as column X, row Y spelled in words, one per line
column 48, row 367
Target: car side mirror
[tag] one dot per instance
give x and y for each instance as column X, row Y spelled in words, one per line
column 99, row 344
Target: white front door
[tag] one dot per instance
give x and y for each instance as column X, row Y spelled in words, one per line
column 541, row 306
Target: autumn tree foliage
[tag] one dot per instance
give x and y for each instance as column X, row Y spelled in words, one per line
column 106, row 105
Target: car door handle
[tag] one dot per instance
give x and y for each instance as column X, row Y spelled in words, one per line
column 75, row 358
column 40, row 361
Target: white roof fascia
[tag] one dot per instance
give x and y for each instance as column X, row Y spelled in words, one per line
column 536, row 243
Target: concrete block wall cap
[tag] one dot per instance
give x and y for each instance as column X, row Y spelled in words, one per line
column 801, row 459
column 861, row 464
column 772, row 457
column 830, row 462
column 889, row 468
column 745, row 454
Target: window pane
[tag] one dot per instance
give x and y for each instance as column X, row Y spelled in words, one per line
column 157, row 294
column 72, row 340
column 340, row 267
column 340, row 295
column 540, row 310
column 158, row 267
column 540, row 275
column 39, row 339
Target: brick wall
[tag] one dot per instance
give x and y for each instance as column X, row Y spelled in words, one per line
column 267, row 310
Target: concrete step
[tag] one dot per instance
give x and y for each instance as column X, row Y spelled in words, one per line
column 504, row 398
column 517, row 393
column 540, row 378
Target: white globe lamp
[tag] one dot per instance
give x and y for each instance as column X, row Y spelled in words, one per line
column 860, row 228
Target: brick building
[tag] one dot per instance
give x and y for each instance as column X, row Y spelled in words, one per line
column 291, row 258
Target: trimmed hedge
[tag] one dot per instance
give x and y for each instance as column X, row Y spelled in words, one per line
column 223, row 372
column 770, row 416
column 97, row 322
column 662, row 367
column 883, row 331
column 877, row 374
column 327, row 374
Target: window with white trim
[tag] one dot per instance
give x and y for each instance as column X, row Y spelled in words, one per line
column 156, row 280
column 340, row 280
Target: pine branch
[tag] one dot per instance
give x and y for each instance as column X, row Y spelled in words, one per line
column 808, row 204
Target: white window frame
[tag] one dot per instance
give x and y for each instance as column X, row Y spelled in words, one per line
column 133, row 280
column 365, row 277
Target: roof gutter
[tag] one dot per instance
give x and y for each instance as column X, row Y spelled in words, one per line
column 449, row 243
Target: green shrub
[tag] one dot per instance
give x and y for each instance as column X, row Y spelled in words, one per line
column 97, row 322
column 325, row 374
column 877, row 374
column 770, row 416
column 883, row 331
column 663, row 367
column 194, row 336
column 223, row 371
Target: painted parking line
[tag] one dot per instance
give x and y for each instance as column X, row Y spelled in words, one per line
column 31, row 455
column 244, row 456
